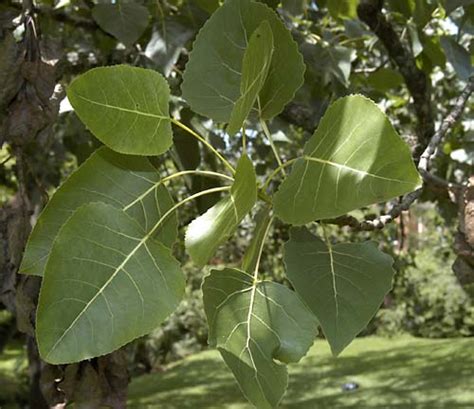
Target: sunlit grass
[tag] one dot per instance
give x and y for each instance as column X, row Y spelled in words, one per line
column 397, row 373
column 391, row 373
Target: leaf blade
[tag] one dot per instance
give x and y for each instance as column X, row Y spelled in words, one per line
column 355, row 158
column 208, row 231
column 262, row 220
column 125, row 21
column 102, row 286
column 343, row 284
column 109, row 177
column 211, row 82
column 113, row 102
column 255, row 67
column 253, row 324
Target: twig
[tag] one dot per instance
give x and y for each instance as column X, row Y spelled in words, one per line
column 430, row 151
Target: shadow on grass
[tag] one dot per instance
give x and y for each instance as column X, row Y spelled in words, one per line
column 391, row 374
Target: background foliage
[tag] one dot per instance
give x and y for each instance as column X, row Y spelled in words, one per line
column 343, row 54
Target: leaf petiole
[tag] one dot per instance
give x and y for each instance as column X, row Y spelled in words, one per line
column 184, row 201
column 276, row 171
column 206, row 143
column 260, row 250
column 267, row 133
column 176, row 175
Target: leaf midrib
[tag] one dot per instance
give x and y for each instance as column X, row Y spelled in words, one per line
column 118, row 108
column 350, row 169
column 104, row 286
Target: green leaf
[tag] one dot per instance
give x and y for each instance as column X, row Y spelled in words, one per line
column 423, row 12
column 106, row 283
column 295, row 7
column 433, row 51
column 385, row 79
column 125, row 107
column 459, row 58
column 108, row 177
column 255, row 67
column 416, row 45
column 354, row 159
column 335, row 61
column 405, row 7
column 208, row 5
column 207, row 232
column 271, row 3
column 187, row 147
column 211, row 81
column 254, row 324
column 125, row 21
column 343, row 284
column 343, row 8
column 262, row 221
column 451, row 5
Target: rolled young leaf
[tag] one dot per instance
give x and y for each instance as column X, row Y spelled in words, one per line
column 123, row 181
column 124, row 107
column 257, row 60
column 354, row 159
column 253, row 324
column 212, row 78
column 207, row 232
column 107, row 282
column 262, row 220
column 343, row 284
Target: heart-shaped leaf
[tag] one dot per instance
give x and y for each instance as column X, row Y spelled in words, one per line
column 343, row 284
column 254, row 324
column 255, row 66
column 107, row 282
column 125, row 107
column 211, row 82
column 207, row 232
column 125, row 21
column 354, row 159
column 123, row 181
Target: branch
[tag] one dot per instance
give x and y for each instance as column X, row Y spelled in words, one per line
column 423, row 167
column 418, row 84
column 448, row 123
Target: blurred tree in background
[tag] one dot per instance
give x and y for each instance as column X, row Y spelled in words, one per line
column 414, row 58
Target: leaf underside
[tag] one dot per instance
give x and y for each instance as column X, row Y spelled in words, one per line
column 354, row 159
column 124, row 107
column 208, row 231
column 106, row 283
column 212, row 79
column 122, row 181
column 343, row 285
column 262, row 220
column 253, row 325
column 125, row 21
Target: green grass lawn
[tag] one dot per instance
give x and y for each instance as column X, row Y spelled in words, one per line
column 392, row 373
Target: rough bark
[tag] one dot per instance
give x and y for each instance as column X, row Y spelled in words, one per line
column 29, row 104
column 463, row 266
